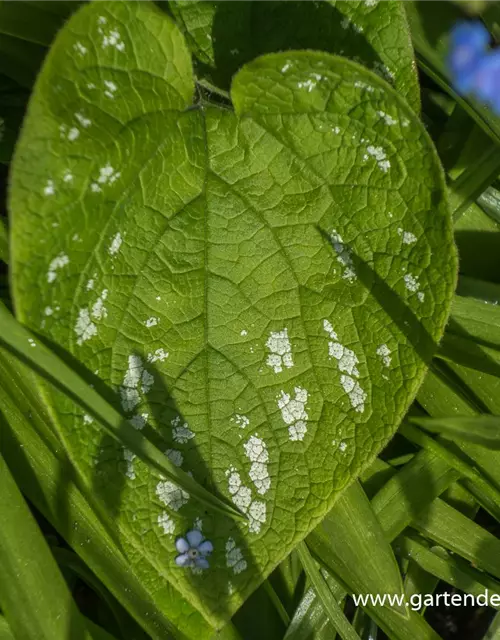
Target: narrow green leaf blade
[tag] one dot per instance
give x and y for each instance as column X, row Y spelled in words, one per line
column 33, row 594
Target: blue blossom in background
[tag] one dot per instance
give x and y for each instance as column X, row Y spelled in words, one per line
column 468, row 49
column 487, row 80
column 193, row 550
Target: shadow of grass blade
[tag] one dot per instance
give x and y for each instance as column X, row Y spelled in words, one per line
column 33, row 593
column 330, row 604
column 20, row 342
column 351, row 540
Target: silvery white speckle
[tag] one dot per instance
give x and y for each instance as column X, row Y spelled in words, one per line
column 256, row 516
column 84, row 327
column 234, row 557
column 49, row 189
column 256, row 451
column 139, row 420
column 383, row 71
column 67, row 176
column 359, row 84
column 85, row 122
column 181, row 432
column 111, row 89
column 57, row 263
column 343, row 446
column 147, row 381
column 389, row 120
column 108, row 175
column 240, row 494
column 79, row 48
column 115, row 245
column 48, row 311
column 309, row 85
column 129, row 458
column 90, row 284
column 243, row 332
column 112, row 39
column 407, row 236
column 380, row 156
column 171, row 495
column 421, row 296
column 95, row 188
column 241, row 421
column 285, row 67
column 198, row 524
column 99, row 311
column 87, row 419
column 151, row 322
column 175, row 457
column 129, row 389
column 73, row 134
column 31, row 342
column 280, row 351
column 412, row 283
column 158, row 356
column 166, row 523
column 385, row 353
column 356, row 394
column 344, row 256
column 346, row 363
column 294, row 414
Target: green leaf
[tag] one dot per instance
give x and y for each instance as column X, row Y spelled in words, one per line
column 483, row 430
column 220, row 270
column 351, row 541
column 33, row 594
column 328, row 600
column 225, row 35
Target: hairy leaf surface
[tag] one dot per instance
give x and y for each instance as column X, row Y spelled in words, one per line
column 262, row 288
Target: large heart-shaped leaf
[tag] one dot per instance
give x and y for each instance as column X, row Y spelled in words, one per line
column 224, row 35
column 263, row 288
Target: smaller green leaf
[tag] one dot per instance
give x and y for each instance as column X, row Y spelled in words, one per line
column 332, row 608
column 484, row 429
column 20, row 342
column 33, row 593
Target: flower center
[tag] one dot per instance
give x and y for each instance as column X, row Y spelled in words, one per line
column 193, row 553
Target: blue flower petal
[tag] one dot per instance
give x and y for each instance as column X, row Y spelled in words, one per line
column 201, row 563
column 471, row 34
column 194, row 538
column 206, row 547
column 183, row 560
column 487, row 78
column 182, row 545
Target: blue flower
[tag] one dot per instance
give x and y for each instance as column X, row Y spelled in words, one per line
column 487, row 80
column 468, row 48
column 193, row 550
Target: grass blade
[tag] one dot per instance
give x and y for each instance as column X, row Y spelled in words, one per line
column 21, row 342
column 329, row 602
column 33, row 594
column 483, row 429
column 351, row 541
